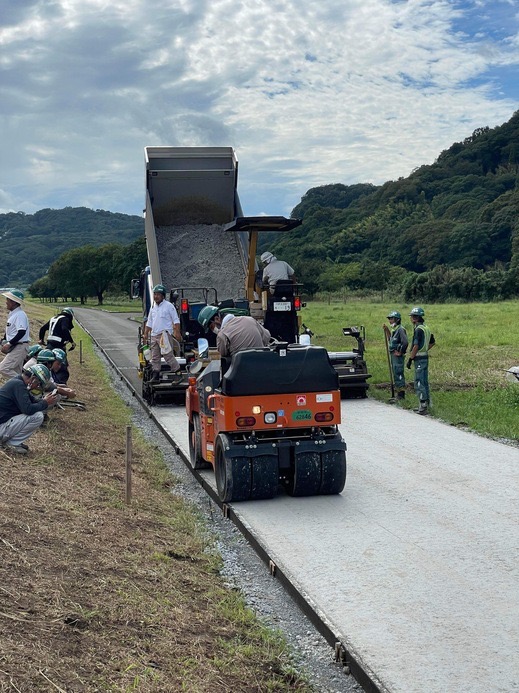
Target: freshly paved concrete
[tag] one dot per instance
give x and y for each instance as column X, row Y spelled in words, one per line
column 415, row 564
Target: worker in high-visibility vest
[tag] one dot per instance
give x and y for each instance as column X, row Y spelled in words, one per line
column 423, row 341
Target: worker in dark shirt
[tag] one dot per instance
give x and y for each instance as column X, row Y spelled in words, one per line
column 20, row 412
column 60, row 328
column 423, row 341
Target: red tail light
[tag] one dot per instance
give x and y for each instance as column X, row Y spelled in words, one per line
column 184, row 306
column 245, row 421
column 324, row 416
column 297, row 302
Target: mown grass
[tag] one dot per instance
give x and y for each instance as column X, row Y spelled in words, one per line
column 476, row 343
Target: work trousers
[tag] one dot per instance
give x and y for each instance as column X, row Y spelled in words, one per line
column 156, row 355
column 397, row 364
column 421, row 377
column 20, row 427
column 12, row 363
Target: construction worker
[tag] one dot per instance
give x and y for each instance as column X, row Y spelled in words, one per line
column 60, row 373
column 397, row 344
column 275, row 270
column 59, row 327
column 20, row 412
column 162, row 324
column 48, row 358
column 239, row 332
column 233, row 332
column 16, row 337
column 423, row 341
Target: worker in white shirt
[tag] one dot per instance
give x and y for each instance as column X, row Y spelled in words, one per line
column 16, row 338
column 162, row 324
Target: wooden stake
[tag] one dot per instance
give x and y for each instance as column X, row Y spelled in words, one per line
column 128, row 498
column 80, row 351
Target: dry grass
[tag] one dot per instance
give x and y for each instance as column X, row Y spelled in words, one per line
column 99, row 596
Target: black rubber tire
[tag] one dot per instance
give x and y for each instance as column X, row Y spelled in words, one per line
column 307, row 475
column 196, row 460
column 333, row 468
column 233, row 474
column 265, row 477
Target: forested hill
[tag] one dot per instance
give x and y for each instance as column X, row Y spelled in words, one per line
column 31, row 242
column 461, row 211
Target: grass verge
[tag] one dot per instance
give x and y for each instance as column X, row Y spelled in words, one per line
column 99, row 596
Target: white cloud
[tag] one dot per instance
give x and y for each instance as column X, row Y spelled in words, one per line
column 308, row 93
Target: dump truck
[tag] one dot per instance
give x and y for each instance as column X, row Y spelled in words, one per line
column 202, row 248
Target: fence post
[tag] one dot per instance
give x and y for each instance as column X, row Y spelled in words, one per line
column 128, row 497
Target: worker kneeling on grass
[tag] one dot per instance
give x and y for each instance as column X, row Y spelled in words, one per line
column 20, row 412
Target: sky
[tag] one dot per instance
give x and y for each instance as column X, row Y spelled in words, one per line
column 308, row 93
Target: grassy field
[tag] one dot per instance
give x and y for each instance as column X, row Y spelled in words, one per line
column 475, row 344
column 96, row 595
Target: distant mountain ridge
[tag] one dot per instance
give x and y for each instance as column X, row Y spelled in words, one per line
column 459, row 212
column 32, row 242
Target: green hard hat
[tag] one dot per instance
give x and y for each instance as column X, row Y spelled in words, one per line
column 60, row 355
column 33, row 350
column 41, row 372
column 46, row 356
column 417, row 311
column 68, row 311
column 159, row 289
column 395, row 314
column 206, row 315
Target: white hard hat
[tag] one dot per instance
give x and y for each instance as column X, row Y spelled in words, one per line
column 267, row 257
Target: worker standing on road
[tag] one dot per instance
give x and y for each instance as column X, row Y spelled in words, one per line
column 397, row 344
column 60, row 331
column 239, row 332
column 275, row 271
column 162, row 324
column 423, row 341
column 20, row 412
column 16, row 337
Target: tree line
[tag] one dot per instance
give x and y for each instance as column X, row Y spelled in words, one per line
column 87, row 271
column 454, row 222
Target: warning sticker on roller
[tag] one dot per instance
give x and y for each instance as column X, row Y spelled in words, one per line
column 301, row 400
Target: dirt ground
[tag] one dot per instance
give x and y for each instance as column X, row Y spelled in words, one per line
column 96, row 595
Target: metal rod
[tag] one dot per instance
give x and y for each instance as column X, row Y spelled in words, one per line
column 80, row 351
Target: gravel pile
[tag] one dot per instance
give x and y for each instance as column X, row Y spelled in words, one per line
column 201, row 255
column 243, row 569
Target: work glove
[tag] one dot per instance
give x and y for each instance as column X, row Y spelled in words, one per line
column 409, row 363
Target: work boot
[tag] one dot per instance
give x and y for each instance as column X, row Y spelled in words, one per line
column 400, row 395
column 392, row 400
column 20, row 449
column 155, row 377
column 422, row 409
